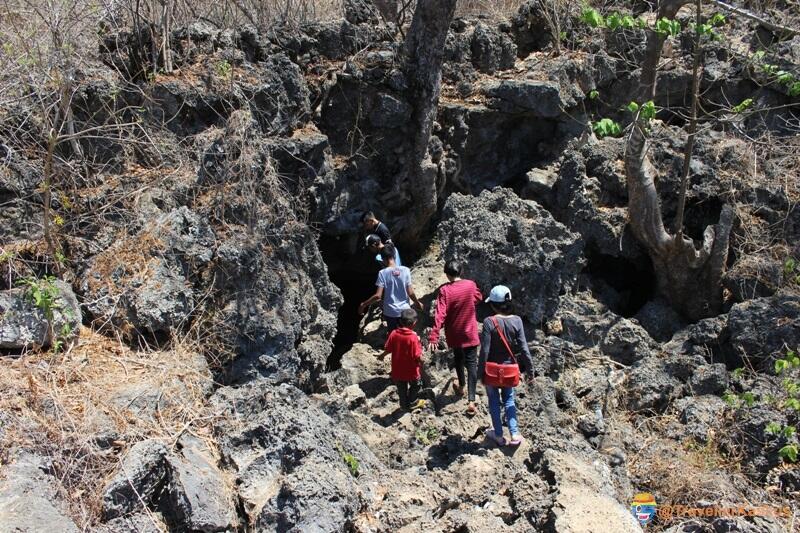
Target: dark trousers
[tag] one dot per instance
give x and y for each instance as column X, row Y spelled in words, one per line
column 407, row 390
column 467, row 357
column 392, row 323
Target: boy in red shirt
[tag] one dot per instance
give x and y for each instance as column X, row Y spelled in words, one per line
column 406, row 350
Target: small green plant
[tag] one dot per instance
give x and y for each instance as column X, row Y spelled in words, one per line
column 42, row 293
column 794, row 89
column 616, row 20
column 717, row 19
column 743, row 105
column 790, row 361
column 748, row 398
column 668, row 27
column 773, row 428
column 593, row 94
column 427, row 435
column 223, row 68
column 606, row 127
column 789, row 453
column 730, row 398
column 738, row 373
column 592, row 17
column 350, row 460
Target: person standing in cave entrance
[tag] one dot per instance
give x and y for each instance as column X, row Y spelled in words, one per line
column 504, row 355
column 455, row 310
column 371, row 225
column 394, row 288
column 375, row 245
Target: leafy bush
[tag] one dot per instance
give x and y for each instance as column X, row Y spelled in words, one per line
column 607, row 128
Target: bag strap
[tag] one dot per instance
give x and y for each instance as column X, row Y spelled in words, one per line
column 503, row 338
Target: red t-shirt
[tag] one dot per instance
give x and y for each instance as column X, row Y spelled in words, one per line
column 455, row 310
column 406, row 352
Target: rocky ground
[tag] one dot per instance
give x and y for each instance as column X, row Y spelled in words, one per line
column 195, row 368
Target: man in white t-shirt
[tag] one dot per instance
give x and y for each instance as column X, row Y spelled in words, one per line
column 394, row 287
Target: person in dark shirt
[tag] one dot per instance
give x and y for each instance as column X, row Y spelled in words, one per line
column 493, row 349
column 370, row 224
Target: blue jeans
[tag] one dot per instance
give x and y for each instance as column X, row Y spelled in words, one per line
column 510, row 407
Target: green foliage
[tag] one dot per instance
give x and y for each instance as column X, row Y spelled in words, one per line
column 223, row 68
column 790, row 361
column 607, row 128
column 593, row 94
column 730, row 398
column 427, row 435
column 738, row 373
column 668, row 27
column 789, row 453
column 794, row 89
column 717, row 19
column 748, row 398
column 42, row 293
column 741, row 106
column 350, row 460
column 648, row 110
column 592, row 17
column 769, row 69
column 616, row 20
column 785, row 78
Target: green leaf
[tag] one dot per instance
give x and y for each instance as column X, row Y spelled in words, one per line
column 738, row 372
column 593, row 94
column 773, row 428
column 741, row 106
column 649, row 110
column 592, row 17
column 607, row 127
column 641, row 23
column 718, row 19
column 785, row 78
column 788, row 432
column 749, row 398
column 730, row 398
column 665, row 26
column 792, row 403
column 794, row 89
column 789, row 265
column 781, row 365
column 614, row 21
column 769, row 68
column 789, row 453
column 633, row 107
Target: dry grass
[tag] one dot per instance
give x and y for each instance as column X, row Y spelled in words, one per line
column 56, row 405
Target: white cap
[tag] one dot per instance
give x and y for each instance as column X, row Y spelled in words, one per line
column 499, row 294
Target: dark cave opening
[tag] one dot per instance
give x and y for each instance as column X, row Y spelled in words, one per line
column 354, row 272
column 621, row 284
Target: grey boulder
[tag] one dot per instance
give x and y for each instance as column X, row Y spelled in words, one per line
column 24, row 326
column 502, row 239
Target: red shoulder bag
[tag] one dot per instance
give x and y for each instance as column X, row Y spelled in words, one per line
column 501, row 374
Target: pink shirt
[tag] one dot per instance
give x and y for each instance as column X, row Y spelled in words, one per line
column 455, row 310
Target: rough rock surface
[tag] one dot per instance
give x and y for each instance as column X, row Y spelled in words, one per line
column 140, row 480
column 25, row 326
column 502, row 239
column 761, row 329
column 29, row 500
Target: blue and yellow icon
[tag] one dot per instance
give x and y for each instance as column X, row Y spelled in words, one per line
column 643, row 507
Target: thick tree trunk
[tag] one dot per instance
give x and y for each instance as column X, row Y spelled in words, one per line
column 424, row 50
column 690, row 278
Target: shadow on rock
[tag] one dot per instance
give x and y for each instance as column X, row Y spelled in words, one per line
column 443, row 454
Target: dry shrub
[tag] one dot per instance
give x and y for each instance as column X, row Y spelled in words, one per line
column 496, row 9
column 52, row 406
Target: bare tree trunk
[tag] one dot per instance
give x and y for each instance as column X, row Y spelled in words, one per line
column 690, row 278
column 424, row 49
